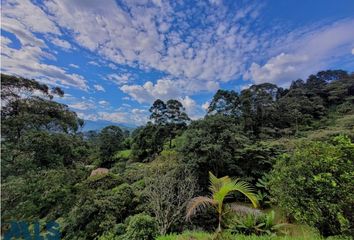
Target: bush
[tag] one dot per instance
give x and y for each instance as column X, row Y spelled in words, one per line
column 252, row 224
column 314, row 185
column 141, row 227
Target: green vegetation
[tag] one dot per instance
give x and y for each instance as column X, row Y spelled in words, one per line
column 291, row 151
column 220, row 189
column 228, row 236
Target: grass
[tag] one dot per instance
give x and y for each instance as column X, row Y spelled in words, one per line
column 124, row 154
column 228, row 236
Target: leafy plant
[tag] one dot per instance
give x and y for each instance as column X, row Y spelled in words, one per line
column 255, row 224
column 220, row 189
column 141, row 227
column 314, row 184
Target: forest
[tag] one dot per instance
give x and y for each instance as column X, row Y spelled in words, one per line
column 264, row 163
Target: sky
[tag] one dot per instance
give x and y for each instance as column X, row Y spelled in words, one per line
column 114, row 58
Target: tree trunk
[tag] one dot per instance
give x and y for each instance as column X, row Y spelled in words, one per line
column 218, row 230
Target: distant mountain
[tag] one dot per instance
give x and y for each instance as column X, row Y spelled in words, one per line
column 98, row 125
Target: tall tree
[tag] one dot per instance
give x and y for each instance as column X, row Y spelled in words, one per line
column 27, row 105
column 111, row 140
column 158, row 112
column 175, row 113
column 225, row 102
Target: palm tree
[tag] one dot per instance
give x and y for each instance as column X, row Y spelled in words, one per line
column 220, row 188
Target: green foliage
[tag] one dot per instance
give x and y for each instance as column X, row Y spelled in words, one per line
column 123, row 155
column 43, row 194
column 213, row 144
column 148, row 141
column 314, row 184
column 251, row 224
column 22, row 110
column 220, row 189
column 226, row 103
column 46, row 162
column 217, row 143
column 229, row 236
column 141, row 227
column 111, row 140
column 97, row 212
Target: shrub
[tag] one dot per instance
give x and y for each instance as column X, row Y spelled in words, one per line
column 250, row 224
column 314, row 184
column 141, row 227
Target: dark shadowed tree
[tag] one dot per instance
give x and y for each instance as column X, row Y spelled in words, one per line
column 158, row 112
column 27, row 105
column 111, row 140
column 225, row 102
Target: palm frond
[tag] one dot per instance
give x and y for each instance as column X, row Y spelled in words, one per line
column 217, row 183
column 247, row 190
column 197, row 204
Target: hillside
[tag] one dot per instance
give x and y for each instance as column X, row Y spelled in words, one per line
column 264, row 162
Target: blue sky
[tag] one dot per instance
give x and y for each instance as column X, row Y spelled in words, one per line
column 114, row 58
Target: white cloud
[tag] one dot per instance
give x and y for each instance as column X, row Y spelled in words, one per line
column 28, row 16
column 103, row 103
column 113, row 66
column 283, row 66
column 82, row 105
column 158, row 37
column 23, row 19
column 99, row 87
column 74, row 65
column 353, row 51
column 305, row 51
column 134, row 116
column 164, row 89
column 197, row 48
column 193, row 110
column 205, row 105
column 119, row 79
column 62, row 43
column 94, row 63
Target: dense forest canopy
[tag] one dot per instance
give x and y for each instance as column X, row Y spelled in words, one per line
column 294, row 145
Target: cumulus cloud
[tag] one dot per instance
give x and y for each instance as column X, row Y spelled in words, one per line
column 164, row 89
column 99, row 88
column 82, row 105
column 158, row 37
column 205, row 105
column 135, row 116
column 23, row 19
column 119, row 79
column 283, row 66
column 74, row 65
column 94, row 63
column 305, row 51
column 193, row 110
column 62, row 43
column 103, row 103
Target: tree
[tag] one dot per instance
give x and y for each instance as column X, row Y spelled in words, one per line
column 259, row 107
column 220, row 189
column 175, row 113
column 225, row 102
column 28, row 105
column 213, row 144
column 168, row 194
column 158, row 112
column 171, row 115
column 111, row 140
column 148, row 141
column 314, row 184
